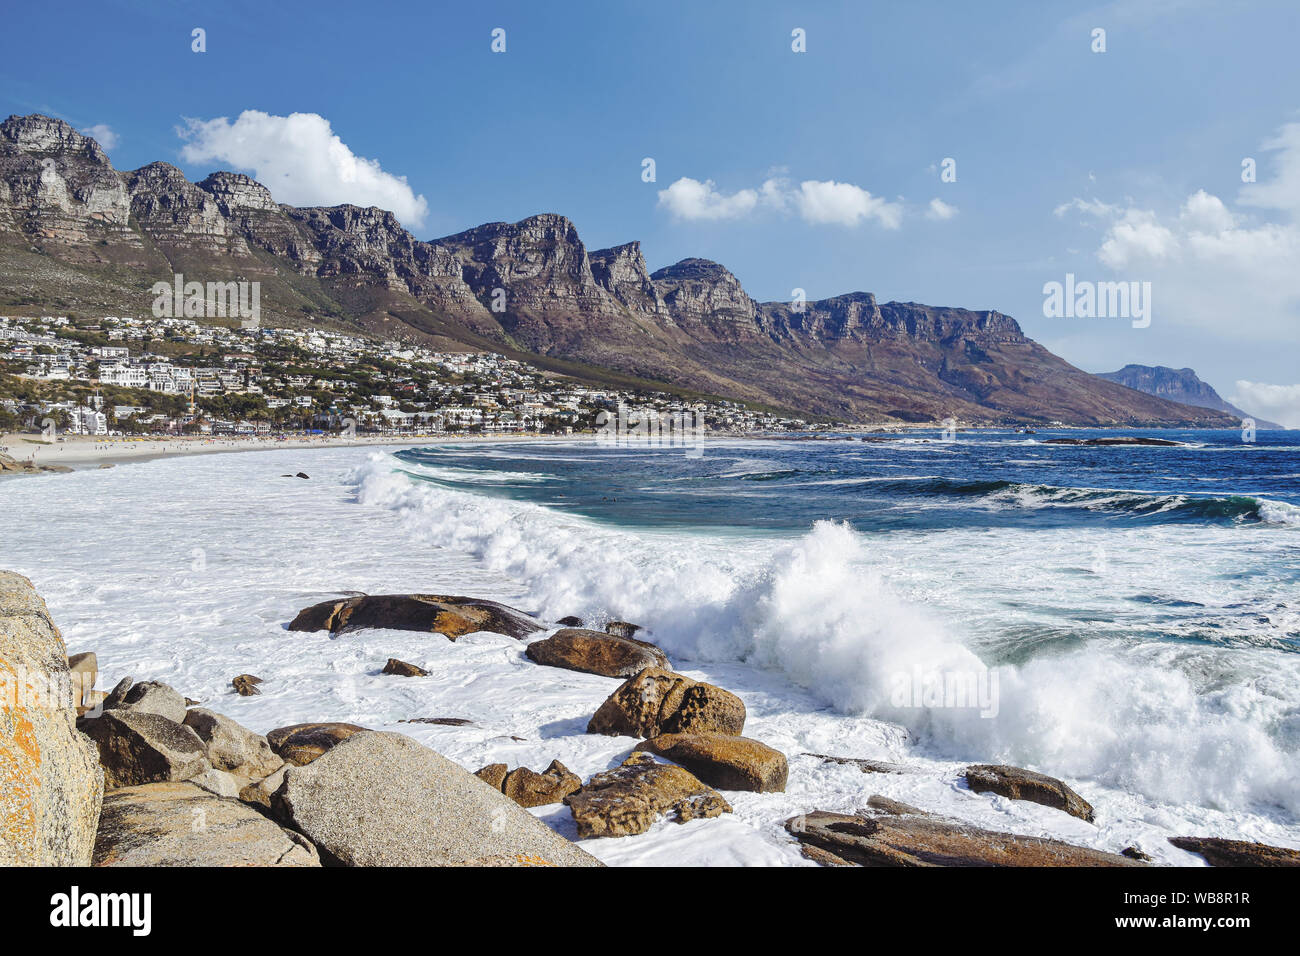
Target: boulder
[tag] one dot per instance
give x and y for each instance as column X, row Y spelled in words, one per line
column 595, row 652
column 403, row 669
column 864, row 764
column 448, row 615
column 1016, row 783
column 531, row 789
column 232, row 747
column 260, row 792
column 1219, row 852
column 657, row 701
column 149, row 697
column 179, row 824
column 246, row 685
column 628, row 799
column 924, row 840
column 570, row 621
column 382, row 799
column 622, row 628
column 724, row 761
column 136, row 748
column 51, row 784
column 494, row 774
column 300, row 744
column 118, row 694
column 218, row 782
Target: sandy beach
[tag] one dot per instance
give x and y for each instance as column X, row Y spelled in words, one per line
column 78, row 452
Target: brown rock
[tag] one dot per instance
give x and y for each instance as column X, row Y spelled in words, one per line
column 877, row 804
column 84, row 671
column 629, row 798
column 658, row 701
column 1017, row 783
column 448, row 615
column 260, row 792
column 530, row 789
column 595, row 652
column 724, row 761
column 246, row 685
column 443, row 722
column 494, row 774
column 570, row 621
column 232, row 747
column 1219, row 852
column 403, row 669
column 300, row 744
column 912, row 840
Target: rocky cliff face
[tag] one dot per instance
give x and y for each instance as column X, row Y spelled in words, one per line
column 99, row 238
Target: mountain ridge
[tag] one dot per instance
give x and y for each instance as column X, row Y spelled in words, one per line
column 97, row 236
column 1180, row 385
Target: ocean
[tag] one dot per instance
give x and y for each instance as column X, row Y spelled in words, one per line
column 1126, row 618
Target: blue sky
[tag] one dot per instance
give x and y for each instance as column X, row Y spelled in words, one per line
column 1123, row 165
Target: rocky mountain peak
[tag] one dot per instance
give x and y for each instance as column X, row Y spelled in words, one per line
column 39, row 135
column 235, row 191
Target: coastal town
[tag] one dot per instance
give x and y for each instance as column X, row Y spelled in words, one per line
column 124, row 376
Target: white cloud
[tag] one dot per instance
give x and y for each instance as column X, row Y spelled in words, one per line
column 103, row 134
column 301, row 160
column 1211, row 265
column 816, row 202
column 844, row 204
column 940, row 210
column 691, row 199
column 1278, row 403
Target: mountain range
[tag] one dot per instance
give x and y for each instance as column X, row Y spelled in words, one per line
column 1179, row 385
column 78, row 236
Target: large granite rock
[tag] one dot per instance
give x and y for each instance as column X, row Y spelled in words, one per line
column 232, row 747
column 595, row 652
column 658, row 701
column 724, row 761
column 148, row 697
column 1219, row 852
column 136, row 748
column 382, row 799
column 905, row 839
column 448, row 615
column 1016, row 783
column 300, row 744
column 628, row 799
column 179, row 824
column 50, row 781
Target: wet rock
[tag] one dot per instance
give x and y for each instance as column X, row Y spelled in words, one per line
column 531, row 789
column 622, row 628
column 180, row 824
column 595, row 652
column 876, row 804
column 246, row 685
column 232, row 747
column 137, row 747
column 51, row 784
column 403, row 669
column 628, row 799
column 864, row 764
column 658, row 701
column 448, row 615
column 1133, row 853
column 300, row 744
column 1016, row 783
column 925, row 840
column 1219, row 852
column 149, row 697
column 723, row 760
column 382, row 799
column 442, row 722
column 570, row 621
